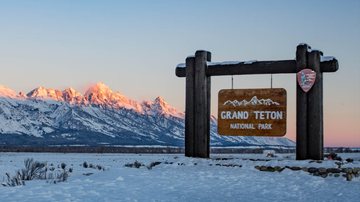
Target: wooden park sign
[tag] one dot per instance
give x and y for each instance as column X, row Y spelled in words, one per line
column 199, row 69
column 252, row 112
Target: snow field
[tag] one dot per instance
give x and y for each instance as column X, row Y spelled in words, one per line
column 178, row 178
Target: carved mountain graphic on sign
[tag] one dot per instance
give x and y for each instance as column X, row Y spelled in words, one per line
column 253, row 101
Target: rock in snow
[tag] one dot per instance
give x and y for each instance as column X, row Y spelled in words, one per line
column 99, row 117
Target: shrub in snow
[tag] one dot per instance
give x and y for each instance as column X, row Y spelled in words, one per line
column 270, row 153
column 13, row 181
column 136, row 164
column 35, row 170
column 99, row 167
column 85, row 164
column 59, row 175
column 333, row 156
column 228, row 165
column 63, row 166
column 339, row 164
column 90, row 165
column 153, row 164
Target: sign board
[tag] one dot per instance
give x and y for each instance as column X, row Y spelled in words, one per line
column 252, row 112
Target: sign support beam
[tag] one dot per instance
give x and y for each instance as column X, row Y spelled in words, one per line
column 189, row 107
column 301, row 107
column 201, row 105
column 315, row 110
column 197, row 110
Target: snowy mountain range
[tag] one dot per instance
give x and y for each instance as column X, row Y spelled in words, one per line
column 100, row 116
column 253, row 101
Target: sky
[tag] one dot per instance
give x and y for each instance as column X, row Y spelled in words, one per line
column 134, row 47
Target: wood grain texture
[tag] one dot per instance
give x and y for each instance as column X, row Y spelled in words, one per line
column 301, row 106
column 201, row 106
column 208, row 86
column 189, row 107
column 259, row 67
column 315, row 110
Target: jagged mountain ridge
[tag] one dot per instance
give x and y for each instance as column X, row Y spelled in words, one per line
column 99, row 117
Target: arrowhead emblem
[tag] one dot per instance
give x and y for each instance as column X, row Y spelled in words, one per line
column 306, row 79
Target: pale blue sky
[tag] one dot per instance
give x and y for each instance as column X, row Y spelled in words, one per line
column 134, row 46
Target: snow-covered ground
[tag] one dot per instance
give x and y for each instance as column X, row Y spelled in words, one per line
column 178, row 178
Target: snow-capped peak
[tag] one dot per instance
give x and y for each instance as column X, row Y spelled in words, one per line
column 7, row 92
column 46, row 93
column 72, row 96
column 99, row 94
column 160, row 106
column 71, row 92
column 161, row 101
column 99, row 88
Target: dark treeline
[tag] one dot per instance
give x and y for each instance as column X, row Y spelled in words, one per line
column 156, row 150
column 341, row 150
column 88, row 149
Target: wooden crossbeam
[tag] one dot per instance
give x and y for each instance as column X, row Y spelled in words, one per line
column 257, row 67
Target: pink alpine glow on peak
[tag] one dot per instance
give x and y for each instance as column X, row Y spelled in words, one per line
column 97, row 95
column 7, row 92
column 101, row 94
column 46, row 93
column 160, row 106
column 71, row 96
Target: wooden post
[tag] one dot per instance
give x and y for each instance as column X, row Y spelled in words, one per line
column 202, row 130
column 208, row 99
column 189, row 107
column 301, row 105
column 315, row 110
